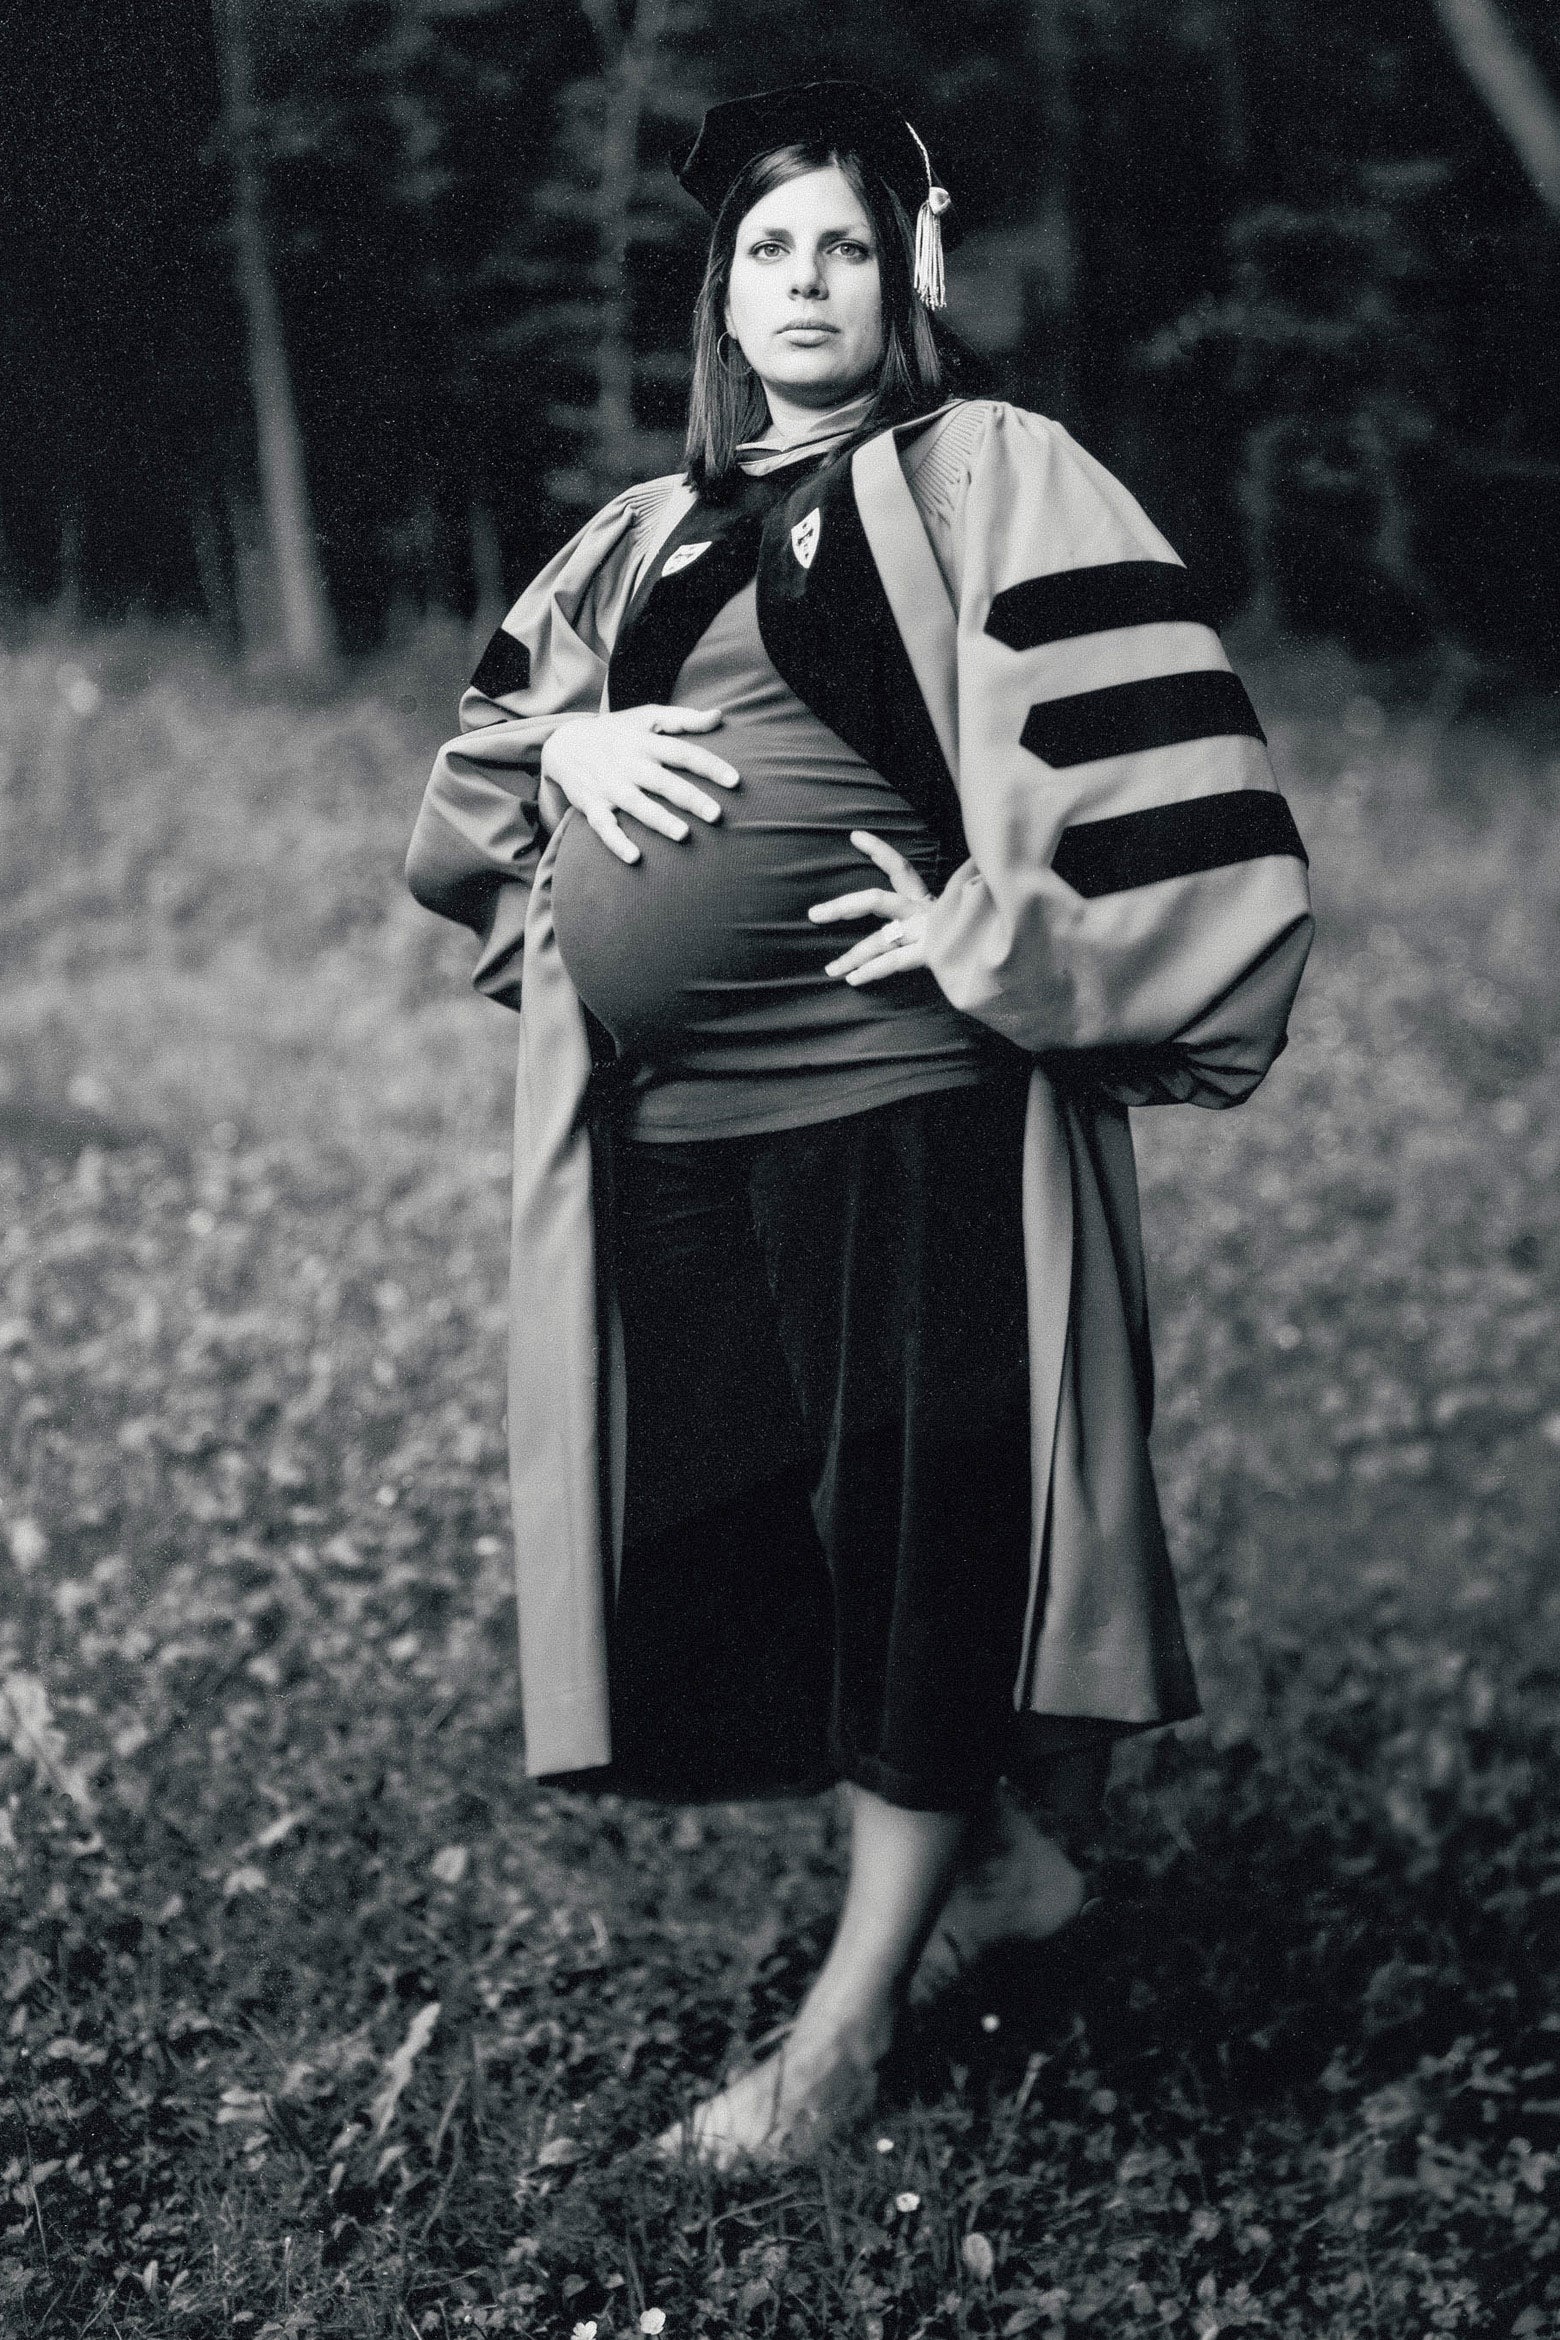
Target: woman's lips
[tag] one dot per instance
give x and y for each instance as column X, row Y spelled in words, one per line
column 802, row 326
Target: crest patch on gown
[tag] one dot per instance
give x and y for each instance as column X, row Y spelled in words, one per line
column 684, row 557
column 804, row 537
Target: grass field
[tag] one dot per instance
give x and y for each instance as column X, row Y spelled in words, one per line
column 316, row 2020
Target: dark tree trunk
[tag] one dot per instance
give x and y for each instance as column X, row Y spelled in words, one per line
column 68, row 605
column 487, row 569
column 213, row 567
column 629, row 58
column 1056, row 242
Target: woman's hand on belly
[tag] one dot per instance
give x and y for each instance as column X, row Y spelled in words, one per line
column 904, row 903
column 611, row 764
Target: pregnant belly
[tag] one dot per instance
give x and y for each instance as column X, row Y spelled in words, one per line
column 714, row 931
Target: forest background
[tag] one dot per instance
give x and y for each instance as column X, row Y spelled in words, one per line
column 322, row 312
column 319, row 324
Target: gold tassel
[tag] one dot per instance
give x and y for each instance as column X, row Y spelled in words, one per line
column 929, row 280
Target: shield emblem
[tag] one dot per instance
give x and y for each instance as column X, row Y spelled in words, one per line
column 684, row 557
column 804, row 537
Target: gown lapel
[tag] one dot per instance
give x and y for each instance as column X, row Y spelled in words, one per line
column 911, row 582
column 830, row 623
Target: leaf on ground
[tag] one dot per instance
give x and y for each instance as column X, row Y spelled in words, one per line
column 278, row 1831
column 399, row 2069
column 249, row 2107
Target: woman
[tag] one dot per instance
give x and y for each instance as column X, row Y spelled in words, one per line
column 861, row 821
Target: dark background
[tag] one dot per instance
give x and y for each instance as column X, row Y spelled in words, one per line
column 1281, row 266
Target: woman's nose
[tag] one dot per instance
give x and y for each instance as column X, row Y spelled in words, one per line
column 807, row 274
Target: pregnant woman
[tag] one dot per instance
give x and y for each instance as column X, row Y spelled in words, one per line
column 861, row 821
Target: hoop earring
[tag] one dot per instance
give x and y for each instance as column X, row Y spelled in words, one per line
column 721, row 358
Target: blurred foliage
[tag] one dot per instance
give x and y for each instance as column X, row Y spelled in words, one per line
column 1277, row 265
column 316, row 2019
column 1366, row 409
column 1329, row 348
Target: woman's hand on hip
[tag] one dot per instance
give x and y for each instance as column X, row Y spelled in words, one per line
column 611, row 764
column 904, row 903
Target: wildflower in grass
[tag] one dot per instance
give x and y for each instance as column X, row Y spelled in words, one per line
column 653, row 2320
column 907, row 2202
column 991, row 2023
column 584, row 2331
column 978, row 2256
column 885, row 2145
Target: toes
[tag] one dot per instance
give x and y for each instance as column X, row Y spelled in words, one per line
column 723, row 2129
column 749, row 2121
column 694, row 2140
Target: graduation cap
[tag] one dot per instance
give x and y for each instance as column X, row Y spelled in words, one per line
column 847, row 115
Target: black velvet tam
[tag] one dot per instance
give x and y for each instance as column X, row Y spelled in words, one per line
column 847, row 115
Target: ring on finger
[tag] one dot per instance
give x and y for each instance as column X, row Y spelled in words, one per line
column 893, row 932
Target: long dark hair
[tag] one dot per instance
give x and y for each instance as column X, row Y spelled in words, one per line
column 727, row 403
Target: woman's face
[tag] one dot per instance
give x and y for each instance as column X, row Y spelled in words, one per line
column 805, row 302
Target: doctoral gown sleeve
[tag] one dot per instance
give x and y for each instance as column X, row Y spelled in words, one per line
column 484, row 820
column 1135, row 902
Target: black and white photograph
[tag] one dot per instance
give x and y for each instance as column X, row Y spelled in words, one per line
column 780, row 1132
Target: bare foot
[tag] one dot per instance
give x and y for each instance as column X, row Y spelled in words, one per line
column 1015, row 1885
column 823, row 2076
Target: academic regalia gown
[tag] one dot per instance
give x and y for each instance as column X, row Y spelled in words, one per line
column 1132, row 913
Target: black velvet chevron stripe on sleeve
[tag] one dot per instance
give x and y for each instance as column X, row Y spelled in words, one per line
column 505, row 666
column 1175, row 840
column 1094, row 600
column 1125, row 718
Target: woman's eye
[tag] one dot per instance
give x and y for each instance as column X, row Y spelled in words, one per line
column 850, row 246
